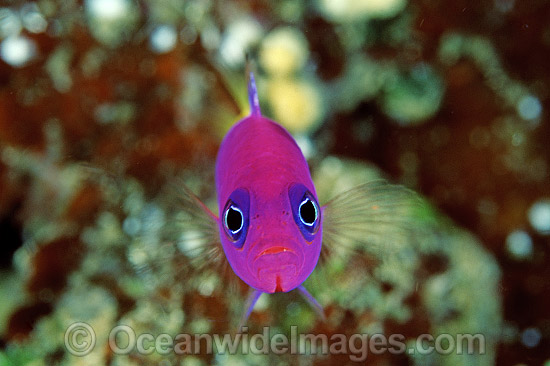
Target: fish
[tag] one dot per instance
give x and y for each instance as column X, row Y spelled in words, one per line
column 271, row 226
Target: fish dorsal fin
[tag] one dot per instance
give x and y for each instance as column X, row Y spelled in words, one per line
column 253, row 99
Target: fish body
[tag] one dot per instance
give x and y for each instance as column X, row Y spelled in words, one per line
column 270, row 224
column 261, row 171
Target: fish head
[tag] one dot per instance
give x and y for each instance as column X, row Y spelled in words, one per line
column 272, row 241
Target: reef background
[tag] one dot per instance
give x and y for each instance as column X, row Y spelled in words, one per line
column 101, row 106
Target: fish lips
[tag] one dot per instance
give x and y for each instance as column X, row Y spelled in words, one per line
column 276, row 267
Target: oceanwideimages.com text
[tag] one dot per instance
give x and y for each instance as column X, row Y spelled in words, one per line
column 80, row 340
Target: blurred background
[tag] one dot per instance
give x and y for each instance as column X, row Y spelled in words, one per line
column 104, row 102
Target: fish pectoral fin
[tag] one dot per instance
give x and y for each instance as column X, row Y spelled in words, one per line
column 192, row 199
column 192, row 225
column 312, row 302
column 180, row 198
column 377, row 217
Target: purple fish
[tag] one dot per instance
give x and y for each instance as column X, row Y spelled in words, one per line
column 271, row 233
column 270, row 222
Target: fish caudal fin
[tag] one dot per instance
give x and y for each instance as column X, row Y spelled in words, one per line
column 252, row 90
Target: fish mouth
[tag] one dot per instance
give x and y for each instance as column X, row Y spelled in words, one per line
column 276, row 268
column 274, row 250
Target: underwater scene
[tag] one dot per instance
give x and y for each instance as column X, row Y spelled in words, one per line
column 400, row 216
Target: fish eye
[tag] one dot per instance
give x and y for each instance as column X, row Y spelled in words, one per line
column 305, row 210
column 233, row 219
column 308, row 212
